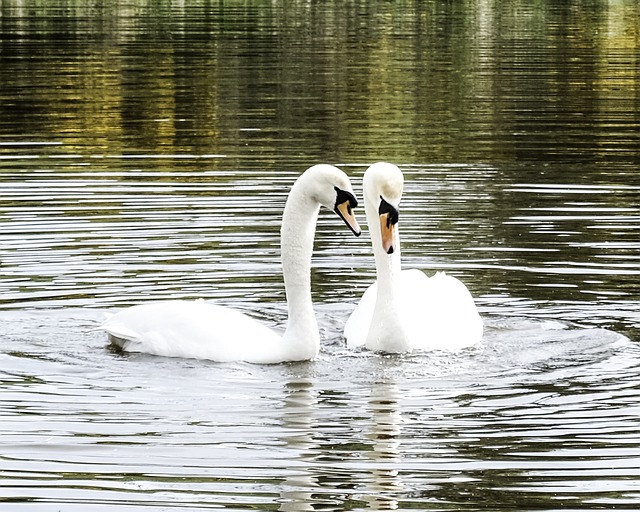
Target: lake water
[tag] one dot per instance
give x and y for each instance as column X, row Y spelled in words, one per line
column 146, row 150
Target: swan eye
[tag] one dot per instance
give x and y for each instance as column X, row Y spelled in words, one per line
column 391, row 211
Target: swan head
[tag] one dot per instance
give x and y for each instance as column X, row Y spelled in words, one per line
column 330, row 187
column 383, row 184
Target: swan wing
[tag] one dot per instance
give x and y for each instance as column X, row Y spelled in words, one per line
column 192, row 329
column 439, row 311
column 358, row 323
column 435, row 312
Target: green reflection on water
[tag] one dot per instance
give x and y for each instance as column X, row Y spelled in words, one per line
column 357, row 81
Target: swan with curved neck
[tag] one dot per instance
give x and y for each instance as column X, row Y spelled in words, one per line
column 405, row 310
column 197, row 329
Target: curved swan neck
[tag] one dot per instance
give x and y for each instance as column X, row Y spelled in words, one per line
column 297, row 235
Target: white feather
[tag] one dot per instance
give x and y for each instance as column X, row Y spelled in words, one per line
column 406, row 310
column 198, row 329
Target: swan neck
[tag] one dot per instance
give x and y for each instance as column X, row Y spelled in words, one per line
column 387, row 265
column 386, row 332
column 297, row 235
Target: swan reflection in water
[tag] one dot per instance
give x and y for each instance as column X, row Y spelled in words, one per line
column 385, row 436
column 326, row 470
column 298, row 488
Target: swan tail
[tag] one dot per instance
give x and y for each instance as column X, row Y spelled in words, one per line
column 119, row 335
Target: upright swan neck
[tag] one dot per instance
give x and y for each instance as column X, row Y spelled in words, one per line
column 386, row 332
column 297, row 234
column 387, row 265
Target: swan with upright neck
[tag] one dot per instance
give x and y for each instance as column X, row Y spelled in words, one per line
column 405, row 310
column 198, row 329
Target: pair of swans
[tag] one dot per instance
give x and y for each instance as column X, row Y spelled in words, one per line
column 402, row 311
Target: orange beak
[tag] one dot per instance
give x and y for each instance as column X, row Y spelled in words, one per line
column 346, row 213
column 388, row 231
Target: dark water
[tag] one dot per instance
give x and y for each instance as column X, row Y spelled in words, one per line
column 146, row 150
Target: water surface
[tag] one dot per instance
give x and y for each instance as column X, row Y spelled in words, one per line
column 146, row 152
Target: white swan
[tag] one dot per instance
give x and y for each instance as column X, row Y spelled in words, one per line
column 405, row 310
column 197, row 329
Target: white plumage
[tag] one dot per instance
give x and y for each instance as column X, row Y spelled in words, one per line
column 202, row 330
column 405, row 310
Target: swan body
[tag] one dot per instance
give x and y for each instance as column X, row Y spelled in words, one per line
column 202, row 330
column 405, row 310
